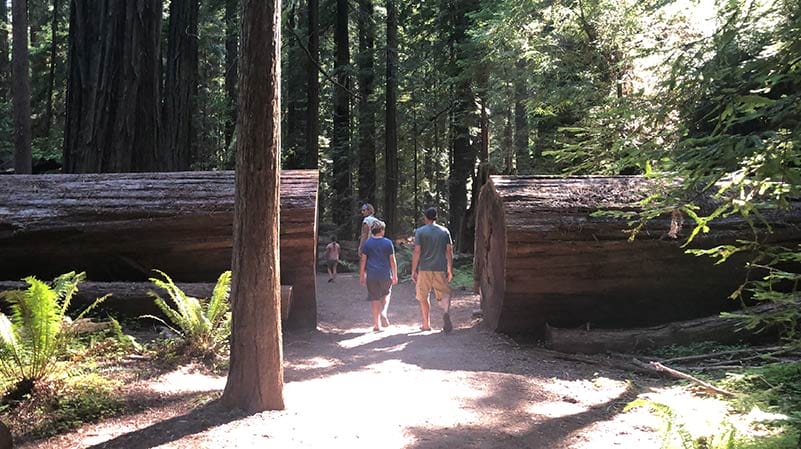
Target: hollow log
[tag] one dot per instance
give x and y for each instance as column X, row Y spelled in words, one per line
column 131, row 299
column 723, row 330
column 119, row 227
column 541, row 256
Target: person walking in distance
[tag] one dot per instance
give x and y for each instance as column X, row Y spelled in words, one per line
column 368, row 218
column 332, row 251
column 432, row 268
column 378, row 270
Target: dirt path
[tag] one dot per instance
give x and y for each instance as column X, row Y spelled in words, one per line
column 349, row 387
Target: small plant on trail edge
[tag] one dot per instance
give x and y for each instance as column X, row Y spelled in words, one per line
column 38, row 331
column 204, row 325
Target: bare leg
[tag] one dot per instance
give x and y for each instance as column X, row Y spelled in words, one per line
column 330, row 274
column 425, row 310
column 335, row 271
column 445, row 304
column 384, row 310
column 376, row 307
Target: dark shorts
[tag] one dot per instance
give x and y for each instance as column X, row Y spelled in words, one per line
column 378, row 289
column 332, row 263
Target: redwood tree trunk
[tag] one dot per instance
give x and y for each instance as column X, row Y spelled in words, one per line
column 5, row 68
column 340, row 144
column 367, row 165
column 112, row 115
column 231, row 66
column 522, row 154
column 21, row 81
column 256, row 375
column 391, row 144
column 51, row 77
column 180, row 86
column 313, row 86
column 293, row 97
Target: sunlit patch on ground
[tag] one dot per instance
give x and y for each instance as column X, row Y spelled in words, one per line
column 185, row 380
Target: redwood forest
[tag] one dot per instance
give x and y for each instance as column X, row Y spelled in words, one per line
column 621, row 181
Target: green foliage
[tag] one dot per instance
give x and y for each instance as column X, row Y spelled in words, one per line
column 675, row 434
column 38, row 332
column 775, row 388
column 463, row 277
column 204, row 325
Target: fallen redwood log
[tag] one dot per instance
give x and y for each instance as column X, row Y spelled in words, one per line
column 541, row 256
column 724, row 330
column 119, row 227
column 131, row 299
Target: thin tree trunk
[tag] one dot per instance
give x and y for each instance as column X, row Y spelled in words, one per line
column 112, row 115
column 256, row 376
column 367, row 164
column 293, row 97
column 51, row 79
column 508, row 143
column 180, row 85
column 21, row 80
column 391, row 144
column 231, row 67
column 340, row 144
column 5, row 67
column 522, row 153
column 313, row 86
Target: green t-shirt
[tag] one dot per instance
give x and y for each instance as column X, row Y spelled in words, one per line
column 433, row 240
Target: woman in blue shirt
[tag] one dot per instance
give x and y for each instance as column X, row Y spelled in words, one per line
column 378, row 271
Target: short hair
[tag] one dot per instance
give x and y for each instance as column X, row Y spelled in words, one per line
column 431, row 213
column 368, row 206
column 377, row 226
column 333, row 238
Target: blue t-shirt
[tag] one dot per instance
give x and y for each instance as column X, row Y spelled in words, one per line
column 378, row 252
column 433, row 240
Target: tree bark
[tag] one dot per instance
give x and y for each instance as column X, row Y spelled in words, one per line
column 112, row 115
column 121, row 226
column 313, row 86
column 256, row 375
column 51, row 77
column 5, row 66
column 231, row 67
column 180, row 86
column 543, row 257
column 367, row 164
column 715, row 328
column 340, row 144
column 21, row 81
column 391, row 133
column 293, row 97
column 522, row 153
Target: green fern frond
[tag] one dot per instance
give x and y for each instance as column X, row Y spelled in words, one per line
column 219, row 298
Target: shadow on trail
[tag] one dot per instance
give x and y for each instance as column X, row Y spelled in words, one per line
column 195, row 421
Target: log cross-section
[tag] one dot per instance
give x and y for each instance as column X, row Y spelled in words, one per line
column 542, row 255
column 119, row 227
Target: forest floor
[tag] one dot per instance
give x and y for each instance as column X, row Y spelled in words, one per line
column 350, row 387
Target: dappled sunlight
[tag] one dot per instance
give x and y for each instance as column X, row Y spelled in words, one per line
column 185, row 380
column 369, row 336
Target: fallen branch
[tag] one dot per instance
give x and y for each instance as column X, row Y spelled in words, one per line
column 691, row 358
column 676, row 373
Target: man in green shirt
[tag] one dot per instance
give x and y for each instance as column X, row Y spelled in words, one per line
column 432, row 268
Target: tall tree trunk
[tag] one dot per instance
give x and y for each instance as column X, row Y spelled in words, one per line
column 367, row 165
column 508, row 142
column 293, row 96
column 51, row 77
column 180, row 85
column 231, row 67
column 113, row 115
column 463, row 152
column 21, row 81
column 256, row 375
column 313, row 85
column 340, row 144
column 522, row 153
column 391, row 134
column 5, row 67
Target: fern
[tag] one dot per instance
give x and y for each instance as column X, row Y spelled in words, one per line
column 36, row 334
column 203, row 325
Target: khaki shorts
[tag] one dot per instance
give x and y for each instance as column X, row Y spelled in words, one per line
column 436, row 280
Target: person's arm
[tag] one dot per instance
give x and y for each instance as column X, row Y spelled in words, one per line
column 363, row 270
column 363, row 237
column 393, row 266
column 415, row 261
column 449, row 258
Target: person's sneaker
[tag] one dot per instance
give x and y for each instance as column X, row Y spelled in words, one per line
column 447, row 326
